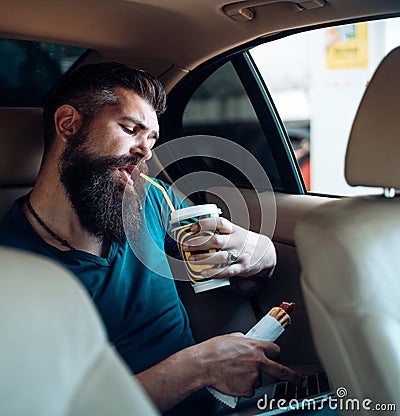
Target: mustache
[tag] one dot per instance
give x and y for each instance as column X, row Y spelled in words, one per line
column 124, row 161
column 111, row 162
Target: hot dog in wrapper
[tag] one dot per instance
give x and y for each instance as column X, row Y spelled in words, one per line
column 267, row 329
column 282, row 313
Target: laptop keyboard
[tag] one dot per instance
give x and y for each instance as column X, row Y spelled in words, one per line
column 316, row 384
column 317, row 388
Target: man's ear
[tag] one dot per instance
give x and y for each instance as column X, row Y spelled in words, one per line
column 67, row 121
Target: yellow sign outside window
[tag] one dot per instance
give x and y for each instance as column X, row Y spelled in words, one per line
column 347, row 46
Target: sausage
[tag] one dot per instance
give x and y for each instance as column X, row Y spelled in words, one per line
column 281, row 313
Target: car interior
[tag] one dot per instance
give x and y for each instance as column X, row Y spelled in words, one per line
column 336, row 254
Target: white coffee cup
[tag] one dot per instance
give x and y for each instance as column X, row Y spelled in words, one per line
column 181, row 221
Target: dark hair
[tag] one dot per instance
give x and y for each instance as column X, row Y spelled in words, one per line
column 91, row 87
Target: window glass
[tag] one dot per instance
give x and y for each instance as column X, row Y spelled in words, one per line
column 28, row 70
column 220, row 107
column 316, row 80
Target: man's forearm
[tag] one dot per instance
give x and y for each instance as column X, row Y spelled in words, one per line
column 174, row 379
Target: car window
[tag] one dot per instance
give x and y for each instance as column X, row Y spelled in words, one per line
column 220, row 106
column 28, row 70
column 316, row 80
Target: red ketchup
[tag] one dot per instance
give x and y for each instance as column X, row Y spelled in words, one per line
column 287, row 307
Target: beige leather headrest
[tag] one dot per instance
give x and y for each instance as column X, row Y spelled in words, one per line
column 55, row 356
column 21, row 144
column 373, row 151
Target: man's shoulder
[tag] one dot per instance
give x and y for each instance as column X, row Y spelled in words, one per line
column 157, row 195
column 8, row 222
column 13, row 228
column 154, row 190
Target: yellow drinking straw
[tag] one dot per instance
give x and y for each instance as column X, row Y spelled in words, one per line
column 164, row 192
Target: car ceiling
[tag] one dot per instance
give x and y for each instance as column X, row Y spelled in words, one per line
column 169, row 37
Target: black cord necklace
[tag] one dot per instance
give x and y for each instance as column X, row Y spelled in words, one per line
column 45, row 227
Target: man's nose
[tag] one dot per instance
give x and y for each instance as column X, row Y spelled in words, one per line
column 143, row 148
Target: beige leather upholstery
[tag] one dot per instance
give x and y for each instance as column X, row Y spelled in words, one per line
column 349, row 253
column 372, row 157
column 54, row 357
column 21, row 143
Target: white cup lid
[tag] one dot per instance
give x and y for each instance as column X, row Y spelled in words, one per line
column 194, row 211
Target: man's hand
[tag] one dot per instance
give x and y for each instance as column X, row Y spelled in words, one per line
column 235, row 364
column 256, row 252
column 231, row 364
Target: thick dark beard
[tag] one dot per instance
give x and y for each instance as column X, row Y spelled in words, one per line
column 96, row 191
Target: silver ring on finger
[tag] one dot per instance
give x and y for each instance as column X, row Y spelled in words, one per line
column 232, row 256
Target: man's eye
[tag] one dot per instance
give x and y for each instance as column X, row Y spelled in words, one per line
column 132, row 131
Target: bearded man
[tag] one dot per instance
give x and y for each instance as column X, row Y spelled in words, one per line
column 100, row 124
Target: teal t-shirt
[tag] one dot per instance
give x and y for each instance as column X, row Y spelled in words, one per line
column 133, row 287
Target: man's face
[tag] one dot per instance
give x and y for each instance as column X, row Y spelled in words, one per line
column 101, row 164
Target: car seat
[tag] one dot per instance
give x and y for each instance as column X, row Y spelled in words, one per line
column 55, row 358
column 21, row 142
column 350, row 256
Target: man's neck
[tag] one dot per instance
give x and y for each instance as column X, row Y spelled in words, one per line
column 52, row 206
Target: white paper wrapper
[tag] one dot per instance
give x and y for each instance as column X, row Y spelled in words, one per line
column 267, row 329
